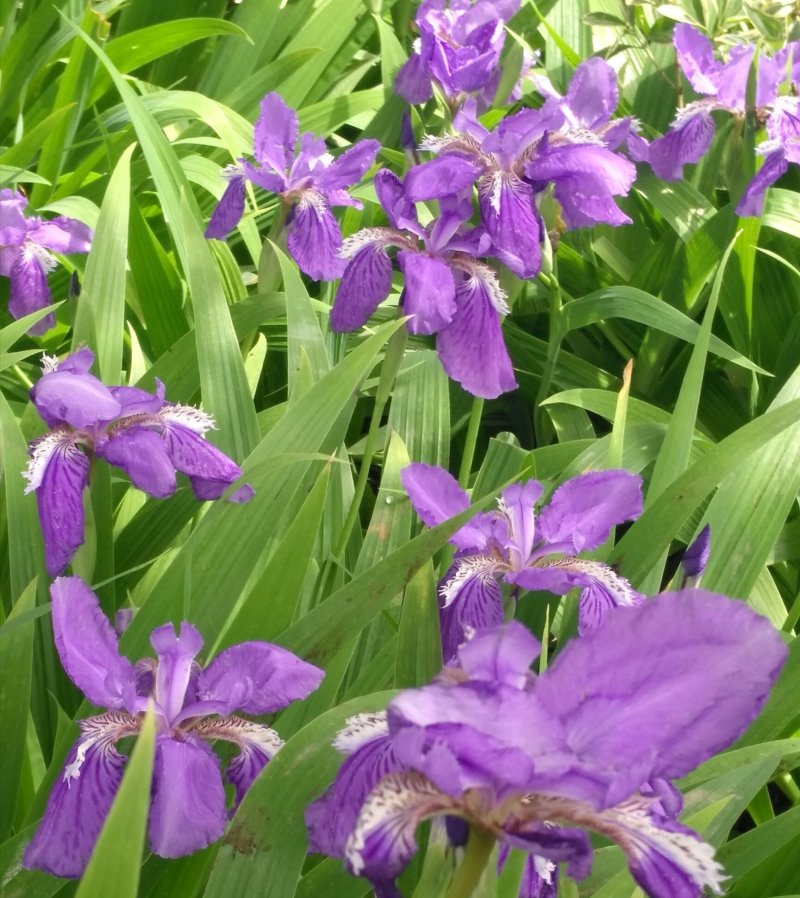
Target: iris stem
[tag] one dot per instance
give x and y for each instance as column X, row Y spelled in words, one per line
column 556, row 335
column 469, row 444
column 479, row 848
column 389, row 369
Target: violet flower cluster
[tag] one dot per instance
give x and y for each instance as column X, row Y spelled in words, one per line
column 27, row 245
column 529, row 550
column 448, row 290
column 193, row 706
column 308, row 180
column 141, row 433
column 593, row 743
column 458, row 49
column 724, row 86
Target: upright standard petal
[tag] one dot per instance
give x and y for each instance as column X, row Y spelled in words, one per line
column 349, row 168
column 366, row 281
column 80, row 400
column 517, row 506
column 448, row 174
column 436, row 496
column 471, row 348
column 62, row 235
column 59, row 472
column 314, row 238
column 696, row 58
column 428, row 293
column 508, row 212
column 80, row 799
column 176, row 653
column 592, row 95
column 275, row 134
column 582, row 511
column 413, row 81
column 87, row 645
column 648, row 693
column 501, row 655
column 187, row 811
column 257, row 678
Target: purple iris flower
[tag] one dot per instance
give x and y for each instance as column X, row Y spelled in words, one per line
column 534, row 761
column 781, row 147
column 447, row 290
column 309, row 181
column 458, row 48
column 724, row 86
column 148, row 438
column 532, row 551
column 26, row 254
column 512, row 164
column 193, row 706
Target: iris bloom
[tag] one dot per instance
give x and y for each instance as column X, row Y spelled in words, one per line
column 26, row 254
column 447, row 290
column 458, row 48
column 510, row 165
column 724, row 86
column 781, row 147
column 193, row 706
column 309, row 181
column 534, row 761
column 148, row 438
column 532, row 551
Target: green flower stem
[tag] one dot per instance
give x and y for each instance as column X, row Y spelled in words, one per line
column 389, row 369
column 468, row 875
column 472, row 438
column 556, row 335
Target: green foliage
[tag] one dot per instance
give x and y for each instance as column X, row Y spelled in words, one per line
column 123, row 114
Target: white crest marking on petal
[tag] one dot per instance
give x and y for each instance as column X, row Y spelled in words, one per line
column 33, row 252
column 105, row 728
column 480, row 272
column 42, row 450
column 684, row 115
column 482, row 566
column 188, row 416
column 619, row 587
column 233, row 170
column 641, row 835
column 377, row 237
column 360, row 729
column 397, row 804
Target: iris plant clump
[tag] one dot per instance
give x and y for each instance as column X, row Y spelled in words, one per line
column 458, row 50
column 193, row 705
column 141, row 433
column 724, row 87
column 594, row 743
column 308, row 180
column 27, row 244
column 529, row 550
